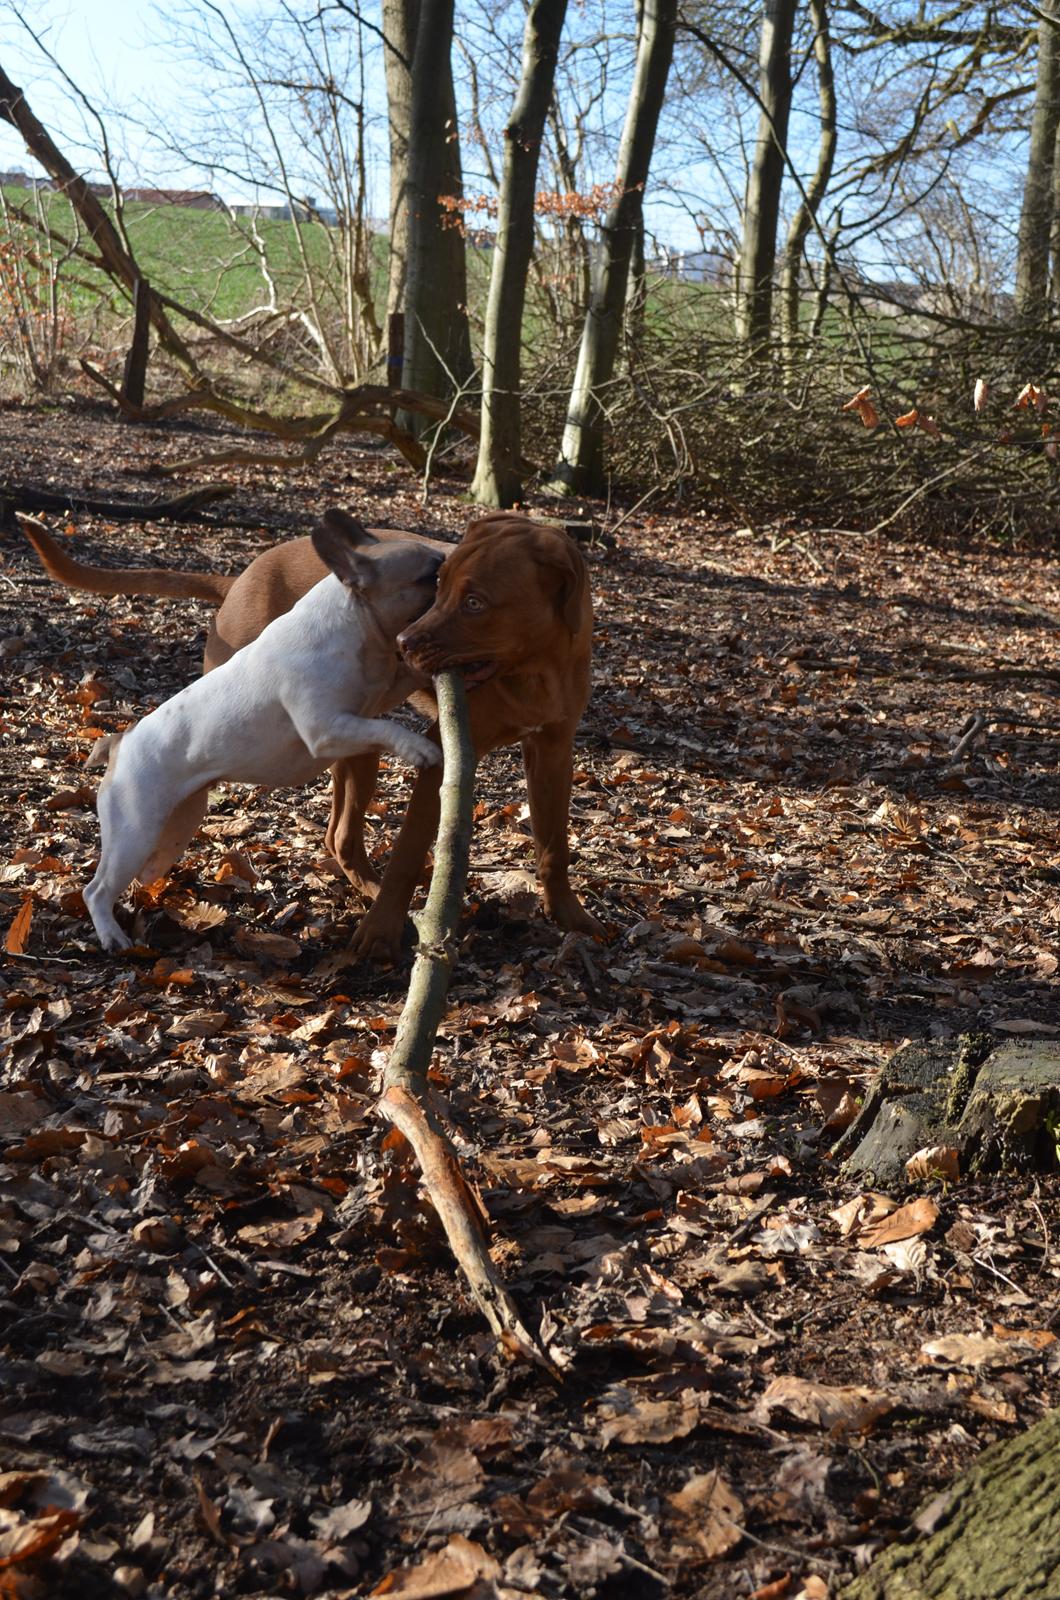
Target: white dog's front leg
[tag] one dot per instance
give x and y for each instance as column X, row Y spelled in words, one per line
column 346, row 735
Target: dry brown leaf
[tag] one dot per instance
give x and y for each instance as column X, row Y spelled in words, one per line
column 27, row 1539
column 648, row 1422
column 18, row 932
column 262, row 945
column 970, row 1350
column 447, row 1572
column 934, row 1161
column 707, row 1517
column 917, row 1217
column 862, row 1211
column 844, row 1408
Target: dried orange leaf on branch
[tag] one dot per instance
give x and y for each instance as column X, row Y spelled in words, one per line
column 980, row 394
column 1032, row 394
column 864, row 408
column 917, row 419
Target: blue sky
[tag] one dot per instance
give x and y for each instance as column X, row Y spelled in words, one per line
column 117, row 52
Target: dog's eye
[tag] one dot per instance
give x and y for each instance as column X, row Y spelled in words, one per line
column 471, row 602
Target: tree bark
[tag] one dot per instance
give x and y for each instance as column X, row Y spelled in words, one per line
column 580, row 469
column 134, row 375
column 994, row 1102
column 1036, row 216
column 993, row 1535
column 497, row 477
column 437, row 337
column 815, row 189
column 400, row 18
column 754, row 305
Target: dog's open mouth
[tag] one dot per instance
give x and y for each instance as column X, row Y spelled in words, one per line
column 476, row 672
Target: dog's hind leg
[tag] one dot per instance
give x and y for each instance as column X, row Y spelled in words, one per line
column 130, row 833
column 353, row 784
column 142, row 836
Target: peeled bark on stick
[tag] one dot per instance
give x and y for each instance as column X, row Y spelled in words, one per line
column 994, row 1534
column 405, row 1101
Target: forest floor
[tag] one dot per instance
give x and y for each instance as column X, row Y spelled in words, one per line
column 236, row 1358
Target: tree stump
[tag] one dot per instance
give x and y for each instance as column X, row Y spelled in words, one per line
column 996, row 1102
column 994, row 1534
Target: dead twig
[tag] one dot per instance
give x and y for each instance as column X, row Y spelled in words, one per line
column 406, row 1099
column 971, row 730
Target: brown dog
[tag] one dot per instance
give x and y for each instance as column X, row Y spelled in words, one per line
column 513, row 606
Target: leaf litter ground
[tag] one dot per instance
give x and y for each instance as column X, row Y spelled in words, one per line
column 236, row 1360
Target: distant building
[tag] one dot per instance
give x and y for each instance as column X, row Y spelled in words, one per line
column 306, row 210
column 193, row 199
column 693, row 266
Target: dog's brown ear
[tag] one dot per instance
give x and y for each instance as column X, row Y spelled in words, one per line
column 338, row 540
column 561, row 556
column 482, row 526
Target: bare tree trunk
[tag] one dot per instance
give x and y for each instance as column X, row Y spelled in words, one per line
column 497, row 477
column 1036, row 217
column 815, row 191
column 580, row 467
column 754, row 307
column 400, row 18
column 437, row 338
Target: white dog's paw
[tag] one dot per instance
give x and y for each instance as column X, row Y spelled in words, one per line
column 420, row 752
column 108, row 932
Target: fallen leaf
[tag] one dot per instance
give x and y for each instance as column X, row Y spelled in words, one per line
column 18, row 932
column 844, row 1408
column 706, row 1517
column 970, row 1350
column 446, row 1572
column 905, row 1223
column 934, row 1161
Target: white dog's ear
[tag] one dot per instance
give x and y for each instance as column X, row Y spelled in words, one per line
column 338, row 539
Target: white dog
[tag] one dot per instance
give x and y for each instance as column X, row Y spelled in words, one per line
column 307, row 692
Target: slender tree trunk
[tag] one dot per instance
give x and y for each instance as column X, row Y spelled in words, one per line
column 1054, row 236
column 815, row 189
column 437, row 338
column 580, row 469
column 497, row 478
column 754, row 308
column 1036, row 217
column 399, row 29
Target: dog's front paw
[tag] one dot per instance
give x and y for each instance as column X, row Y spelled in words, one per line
column 420, row 752
column 378, row 937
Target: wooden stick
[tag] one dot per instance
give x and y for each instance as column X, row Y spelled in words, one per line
column 405, row 1100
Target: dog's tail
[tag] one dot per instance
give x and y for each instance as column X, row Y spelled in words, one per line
column 120, row 580
column 103, row 751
